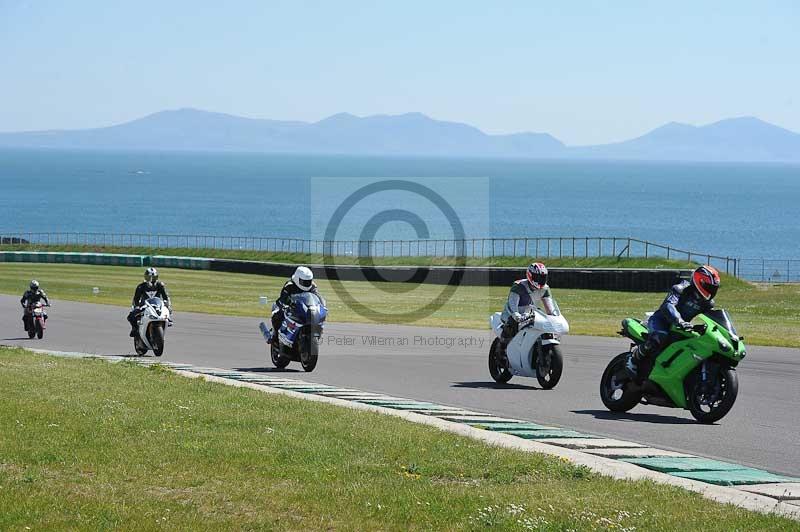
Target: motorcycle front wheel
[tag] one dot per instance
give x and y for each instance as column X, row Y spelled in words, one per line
column 157, row 338
column 309, row 352
column 710, row 403
column 549, row 366
column 39, row 329
column 138, row 346
column 498, row 368
column 617, row 391
column 278, row 360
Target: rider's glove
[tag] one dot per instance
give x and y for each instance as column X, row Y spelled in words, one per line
column 685, row 325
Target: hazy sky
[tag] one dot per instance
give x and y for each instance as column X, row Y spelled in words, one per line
column 587, row 72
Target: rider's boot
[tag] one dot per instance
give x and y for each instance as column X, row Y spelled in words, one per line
column 277, row 321
column 634, row 362
column 640, row 362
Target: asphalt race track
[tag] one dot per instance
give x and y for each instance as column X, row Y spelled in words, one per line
column 449, row 366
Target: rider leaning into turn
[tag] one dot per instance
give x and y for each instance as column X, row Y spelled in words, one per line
column 33, row 295
column 685, row 300
column 302, row 281
column 151, row 287
column 526, row 295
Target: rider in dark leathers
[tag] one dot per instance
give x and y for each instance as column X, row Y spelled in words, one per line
column 685, row 300
column 33, row 295
column 151, row 287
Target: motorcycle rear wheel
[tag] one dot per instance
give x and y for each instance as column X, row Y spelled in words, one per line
column 498, row 369
column 618, row 395
column 548, row 372
column 704, row 413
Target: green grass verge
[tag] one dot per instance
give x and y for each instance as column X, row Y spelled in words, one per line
column 92, row 445
column 765, row 315
column 314, row 258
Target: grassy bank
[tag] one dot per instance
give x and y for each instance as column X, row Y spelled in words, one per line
column 314, row 258
column 765, row 315
column 91, row 445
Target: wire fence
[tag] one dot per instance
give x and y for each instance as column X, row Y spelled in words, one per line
column 770, row 270
column 763, row 270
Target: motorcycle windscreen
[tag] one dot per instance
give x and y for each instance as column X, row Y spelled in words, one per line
column 723, row 319
column 555, row 324
column 156, row 303
column 288, row 332
column 308, row 308
column 554, row 304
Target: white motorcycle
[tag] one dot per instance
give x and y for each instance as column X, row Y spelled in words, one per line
column 533, row 352
column 153, row 321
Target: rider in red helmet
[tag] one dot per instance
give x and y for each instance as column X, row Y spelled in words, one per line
column 685, row 300
column 525, row 295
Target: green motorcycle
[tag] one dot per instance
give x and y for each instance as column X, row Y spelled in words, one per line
column 695, row 369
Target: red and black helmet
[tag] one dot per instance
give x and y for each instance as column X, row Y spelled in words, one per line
column 537, row 275
column 705, row 279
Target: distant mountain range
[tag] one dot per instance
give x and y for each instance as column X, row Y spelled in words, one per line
column 736, row 139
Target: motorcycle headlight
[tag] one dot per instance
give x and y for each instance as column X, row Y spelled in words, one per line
column 724, row 346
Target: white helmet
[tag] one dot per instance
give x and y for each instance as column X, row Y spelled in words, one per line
column 303, row 278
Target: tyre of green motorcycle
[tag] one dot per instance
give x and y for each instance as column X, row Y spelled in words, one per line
column 618, row 395
column 548, row 372
column 704, row 413
column 499, row 371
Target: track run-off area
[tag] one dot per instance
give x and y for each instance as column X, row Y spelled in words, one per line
column 449, row 367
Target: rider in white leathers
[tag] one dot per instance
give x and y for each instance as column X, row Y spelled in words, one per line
column 526, row 295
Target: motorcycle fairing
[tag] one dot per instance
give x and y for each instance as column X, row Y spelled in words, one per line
column 520, row 350
column 288, row 331
column 306, row 310
column 634, row 329
column 680, row 358
column 154, row 310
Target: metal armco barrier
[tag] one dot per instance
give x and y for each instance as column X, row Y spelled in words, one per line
column 538, row 246
column 105, row 259
column 186, row 263
column 618, row 279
